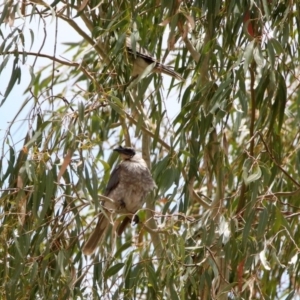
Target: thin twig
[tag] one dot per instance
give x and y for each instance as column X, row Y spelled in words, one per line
column 276, row 163
column 63, row 62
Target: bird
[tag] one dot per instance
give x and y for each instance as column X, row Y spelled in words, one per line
column 141, row 59
column 127, row 187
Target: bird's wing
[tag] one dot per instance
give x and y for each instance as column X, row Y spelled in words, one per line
column 113, row 180
column 146, row 56
column 139, row 51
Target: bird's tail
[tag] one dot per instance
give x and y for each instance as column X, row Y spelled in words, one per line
column 168, row 71
column 97, row 235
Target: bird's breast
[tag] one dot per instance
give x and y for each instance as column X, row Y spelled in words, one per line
column 135, row 182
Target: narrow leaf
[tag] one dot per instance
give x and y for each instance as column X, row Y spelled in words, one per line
column 248, row 55
column 113, row 270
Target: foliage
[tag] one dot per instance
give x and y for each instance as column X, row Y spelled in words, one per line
column 224, row 221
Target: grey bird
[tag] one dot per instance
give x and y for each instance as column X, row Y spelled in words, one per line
column 128, row 185
column 141, row 59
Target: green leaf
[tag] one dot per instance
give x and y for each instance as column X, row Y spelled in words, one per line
column 11, row 161
column 4, row 13
column 32, row 37
column 34, row 139
column 81, row 111
column 61, row 258
column 248, row 55
column 263, row 259
column 247, row 228
column 33, row 78
column 266, row 9
column 121, row 249
column 127, row 271
column 290, row 296
column 258, row 57
column 271, row 53
column 276, row 46
column 263, row 221
column 152, row 278
column 117, row 106
column 251, row 173
column 49, row 192
column 16, row 76
column 113, row 270
column 4, row 63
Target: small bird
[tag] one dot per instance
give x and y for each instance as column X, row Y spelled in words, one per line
column 128, row 185
column 141, row 59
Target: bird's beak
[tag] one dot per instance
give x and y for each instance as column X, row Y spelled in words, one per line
column 119, row 149
column 125, row 151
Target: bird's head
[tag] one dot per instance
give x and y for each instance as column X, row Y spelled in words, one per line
column 125, row 152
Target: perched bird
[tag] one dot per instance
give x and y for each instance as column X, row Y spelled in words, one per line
column 141, row 59
column 128, row 185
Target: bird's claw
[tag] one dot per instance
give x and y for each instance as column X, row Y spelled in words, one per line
column 135, row 219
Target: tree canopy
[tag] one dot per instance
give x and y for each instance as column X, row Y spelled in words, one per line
column 222, row 146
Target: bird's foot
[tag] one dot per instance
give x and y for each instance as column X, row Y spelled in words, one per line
column 135, row 219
